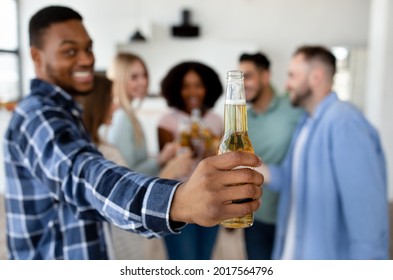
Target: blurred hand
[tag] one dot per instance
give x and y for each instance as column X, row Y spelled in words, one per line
column 205, row 199
column 167, row 153
column 178, row 167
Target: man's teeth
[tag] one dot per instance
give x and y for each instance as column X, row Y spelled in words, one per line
column 81, row 74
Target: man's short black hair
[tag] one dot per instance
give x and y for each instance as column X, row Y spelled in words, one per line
column 259, row 59
column 45, row 17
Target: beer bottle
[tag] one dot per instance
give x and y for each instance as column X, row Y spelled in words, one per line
column 196, row 140
column 183, row 139
column 235, row 136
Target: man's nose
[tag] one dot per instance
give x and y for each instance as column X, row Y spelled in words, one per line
column 86, row 58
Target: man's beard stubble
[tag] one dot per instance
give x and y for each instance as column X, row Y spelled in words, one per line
column 301, row 96
column 70, row 90
column 256, row 97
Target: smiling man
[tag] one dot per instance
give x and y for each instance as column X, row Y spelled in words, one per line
column 62, row 53
column 60, row 189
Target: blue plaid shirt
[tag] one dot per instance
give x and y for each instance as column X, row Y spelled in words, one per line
column 60, row 189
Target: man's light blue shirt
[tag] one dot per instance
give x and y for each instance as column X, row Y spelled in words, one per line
column 342, row 188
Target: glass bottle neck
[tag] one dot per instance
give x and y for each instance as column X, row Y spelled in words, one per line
column 235, row 112
column 235, row 90
column 235, row 117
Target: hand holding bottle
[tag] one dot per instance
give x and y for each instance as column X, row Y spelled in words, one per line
column 206, row 197
column 235, row 135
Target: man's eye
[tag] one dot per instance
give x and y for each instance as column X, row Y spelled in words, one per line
column 70, row 52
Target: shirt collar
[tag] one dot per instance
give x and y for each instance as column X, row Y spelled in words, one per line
column 324, row 104
column 57, row 95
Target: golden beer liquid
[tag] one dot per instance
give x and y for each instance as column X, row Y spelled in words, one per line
column 236, row 139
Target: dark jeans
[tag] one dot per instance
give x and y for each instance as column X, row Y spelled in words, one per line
column 259, row 241
column 193, row 243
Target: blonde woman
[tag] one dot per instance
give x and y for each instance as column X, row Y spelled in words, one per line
column 130, row 78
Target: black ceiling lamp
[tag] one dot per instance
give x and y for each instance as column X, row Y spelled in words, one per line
column 137, row 36
column 186, row 29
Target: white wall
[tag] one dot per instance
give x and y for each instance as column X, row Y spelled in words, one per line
column 276, row 26
column 379, row 98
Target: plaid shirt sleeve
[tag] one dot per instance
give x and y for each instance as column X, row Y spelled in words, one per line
column 49, row 157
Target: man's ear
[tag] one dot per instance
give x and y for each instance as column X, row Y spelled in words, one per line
column 35, row 54
column 265, row 76
column 316, row 76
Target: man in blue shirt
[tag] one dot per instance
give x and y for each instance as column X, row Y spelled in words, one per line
column 332, row 183
column 60, row 189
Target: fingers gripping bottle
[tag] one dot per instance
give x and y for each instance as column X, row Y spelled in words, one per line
column 235, row 134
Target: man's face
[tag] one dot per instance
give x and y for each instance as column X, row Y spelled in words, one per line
column 66, row 58
column 253, row 80
column 297, row 84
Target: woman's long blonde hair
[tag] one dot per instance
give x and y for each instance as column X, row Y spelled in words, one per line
column 119, row 73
